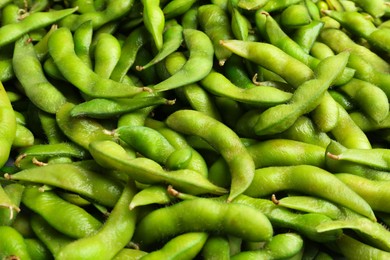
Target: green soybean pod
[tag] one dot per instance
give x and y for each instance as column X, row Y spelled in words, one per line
column 305, row 130
column 130, row 47
column 154, row 194
column 356, row 249
column 84, row 6
column 75, row 178
column 6, row 70
column 11, row 196
column 198, row 65
column 212, row 216
column 375, row 192
column 216, row 24
column 353, row 21
column 307, row 35
column 154, row 21
column 310, row 204
column 341, row 98
column 295, row 15
column 112, row 11
column 320, row 50
column 173, row 38
column 107, row 53
column 10, row 14
column 368, row 97
column 177, row 7
column 37, row 249
column 11, row 32
column 216, row 247
column 339, row 166
column 61, row 48
column 278, row 5
column 375, row 8
column 8, row 122
column 12, row 244
column 82, row 38
column 111, row 155
column 147, row 141
column 279, row 118
column 339, row 41
column 324, row 184
column 51, row 238
column 376, row 158
column 197, row 97
column 113, row 235
column 36, row 86
column 190, row 243
column 189, row 19
column 272, row 58
column 280, row 246
column 380, row 39
column 52, row 70
column 325, row 116
column 240, row 25
column 262, row 96
column 103, row 108
column 23, row 137
column 280, row 217
column 129, row 254
column 365, row 71
column 70, row 219
column 223, row 139
column 251, row 5
column 367, row 124
column 273, row 152
column 348, row 133
column 375, row 233
column 52, row 150
column 81, row 130
column 197, row 162
column 276, row 36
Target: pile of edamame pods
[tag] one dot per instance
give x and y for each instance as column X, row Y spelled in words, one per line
column 184, row 129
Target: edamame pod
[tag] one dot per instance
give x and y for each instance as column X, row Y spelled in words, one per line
column 112, row 11
column 12, row 244
column 375, row 192
column 61, row 48
column 269, row 180
column 11, row 32
column 305, row 98
column 113, row 235
column 216, row 24
column 223, row 139
column 212, row 215
column 280, row 246
column 353, row 248
column 101, row 108
column 69, row 219
column 8, row 123
column 111, row 155
column 75, row 178
column 154, row 20
column 173, row 38
column 262, row 96
column 81, row 130
column 10, row 197
column 374, row 232
column 53, row 239
column 147, row 141
column 281, row 217
column 198, row 65
column 190, row 243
